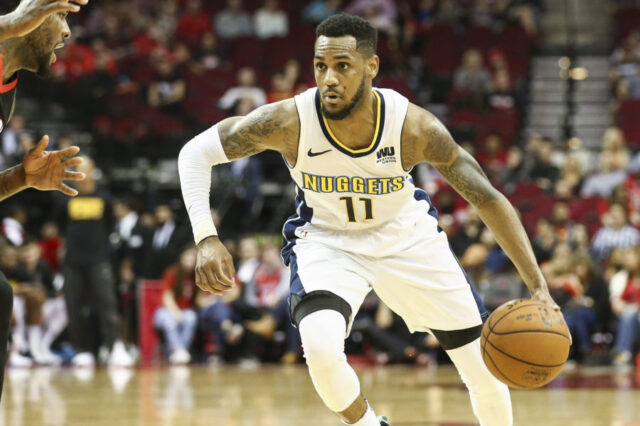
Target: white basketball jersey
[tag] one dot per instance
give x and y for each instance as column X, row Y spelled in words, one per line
column 342, row 189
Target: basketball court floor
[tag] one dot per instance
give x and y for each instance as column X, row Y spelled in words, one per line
column 283, row 396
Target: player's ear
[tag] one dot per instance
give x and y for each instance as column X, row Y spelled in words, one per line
column 373, row 66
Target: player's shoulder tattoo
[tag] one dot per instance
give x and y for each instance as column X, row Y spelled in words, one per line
column 425, row 139
column 268, row 127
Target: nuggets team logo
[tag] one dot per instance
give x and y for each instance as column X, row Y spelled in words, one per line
column 386, row 155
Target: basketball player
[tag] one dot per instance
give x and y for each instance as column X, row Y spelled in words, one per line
column 360, row 223
column 29, row 32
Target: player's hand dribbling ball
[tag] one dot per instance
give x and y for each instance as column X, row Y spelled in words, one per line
column 525, row 343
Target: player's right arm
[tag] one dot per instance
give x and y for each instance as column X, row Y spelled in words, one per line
column 270, row 127
column 31, row 13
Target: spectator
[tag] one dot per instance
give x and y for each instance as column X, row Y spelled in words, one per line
column 193, row 23
column 270, row 21
column 166, row 242
column 218, row 315
column 568, row 185
column 616, row 232
column 10, row 149
column 632, row 184
column 176, row 319
column 493, row 157
column 318, row 10
column 380, row 13
column 88, row 278
column 283, row 84
column 501, row 95
column 168, row 89
column 268, row 293
column 13, row 225
column 614, row 143
column 605, row 179
column 246, row 89
column 233, row 21
column 210, row 54
column 544, row 173
column 472, row 78
column 514, row 168
column 249, row 259
column 51, row 245
column 449, row 12
column 627, row 308
column 27, row 308
column 39, row 276
column 544, row 241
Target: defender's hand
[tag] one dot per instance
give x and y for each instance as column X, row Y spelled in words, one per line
column 45, row 170
column 31, row 13
column 214, row 266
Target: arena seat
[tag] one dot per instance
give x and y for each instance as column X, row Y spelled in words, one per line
column 627, row 120
column 441, row 54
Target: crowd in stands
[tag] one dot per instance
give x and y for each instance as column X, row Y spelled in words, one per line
column 144, row 76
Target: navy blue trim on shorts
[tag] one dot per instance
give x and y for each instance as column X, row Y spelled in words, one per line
column 303, row 215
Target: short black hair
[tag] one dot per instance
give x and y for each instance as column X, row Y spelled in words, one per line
column 8, row 6
column 343, row 24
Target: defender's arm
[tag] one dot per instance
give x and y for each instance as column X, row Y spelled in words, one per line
column 274, row 126
column 425, row 139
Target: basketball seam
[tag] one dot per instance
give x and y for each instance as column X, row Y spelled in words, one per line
column 523, row 361
column 501, row 373
column 530, row 331
column 507, row 313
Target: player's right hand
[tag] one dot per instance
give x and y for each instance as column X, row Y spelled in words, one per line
column 31, row 13
column 214, row 266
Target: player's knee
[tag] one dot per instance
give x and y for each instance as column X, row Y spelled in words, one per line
column 6, row 296
column 322, row 334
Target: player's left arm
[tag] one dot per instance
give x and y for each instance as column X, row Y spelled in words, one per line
column 425, row 139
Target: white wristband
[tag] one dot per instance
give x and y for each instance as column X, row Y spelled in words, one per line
column 194, row 165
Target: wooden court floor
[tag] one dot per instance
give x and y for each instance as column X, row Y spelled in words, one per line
column 283, row 396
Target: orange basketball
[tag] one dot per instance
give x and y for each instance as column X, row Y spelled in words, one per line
column 525, row 343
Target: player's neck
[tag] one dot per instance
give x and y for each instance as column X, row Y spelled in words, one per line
column 11, row 59
column 358, row 128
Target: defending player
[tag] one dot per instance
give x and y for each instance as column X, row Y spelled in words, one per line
column 360, row 223
column 29, row 32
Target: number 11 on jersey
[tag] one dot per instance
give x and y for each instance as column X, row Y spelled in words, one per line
column 351, row 214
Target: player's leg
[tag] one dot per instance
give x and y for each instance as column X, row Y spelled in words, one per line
column 6, row 308
column 428, row 289
column 490, row 398
column 323, row 333
column 326, row 287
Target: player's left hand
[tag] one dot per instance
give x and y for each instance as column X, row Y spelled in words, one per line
column 46, row 170
column 542, row 295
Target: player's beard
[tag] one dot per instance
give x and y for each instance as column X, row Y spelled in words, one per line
column 40, row 58
column 344, row 112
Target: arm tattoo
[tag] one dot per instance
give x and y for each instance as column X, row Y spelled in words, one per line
column 246, row 136
column 459, row 169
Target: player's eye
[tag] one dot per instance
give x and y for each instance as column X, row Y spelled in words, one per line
column 343, row 66
column 320, row 66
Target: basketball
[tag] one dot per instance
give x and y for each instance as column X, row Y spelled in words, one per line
column 525, row 343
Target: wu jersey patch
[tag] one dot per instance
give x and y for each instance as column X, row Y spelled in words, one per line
column 386, row 155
